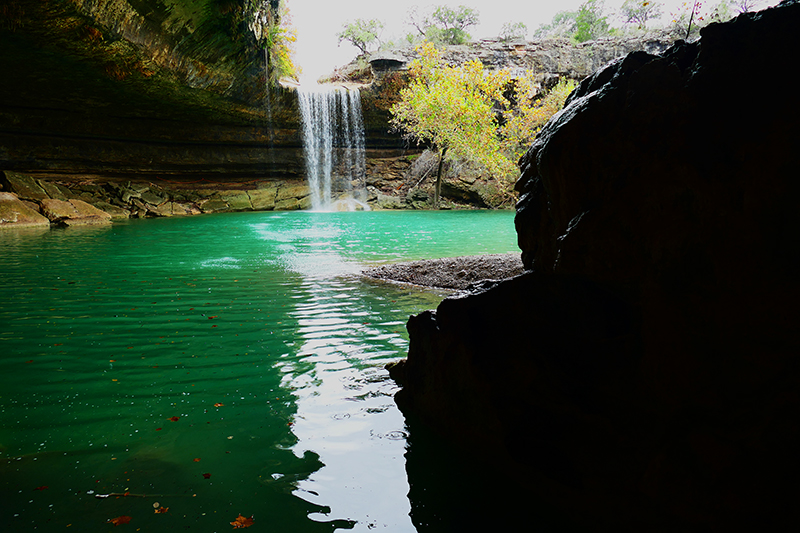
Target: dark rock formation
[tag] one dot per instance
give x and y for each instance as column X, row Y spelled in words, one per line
column 643, row 375
column 140, row 89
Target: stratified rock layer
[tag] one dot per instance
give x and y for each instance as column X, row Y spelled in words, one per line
column 644, row 374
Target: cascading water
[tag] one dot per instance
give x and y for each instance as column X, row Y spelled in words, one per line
column 333, row 142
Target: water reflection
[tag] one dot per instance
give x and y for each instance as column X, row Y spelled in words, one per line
column 144, row 356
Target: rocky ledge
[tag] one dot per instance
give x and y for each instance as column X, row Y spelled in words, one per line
column 27, row 201
column 642, row 376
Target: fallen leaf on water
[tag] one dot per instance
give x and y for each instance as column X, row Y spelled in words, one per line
column 219, row 405
column 41, row 488
column 161, row 510
column 207, row 475
column 196, row 459
column 119, row 520
column 242, row 521
column 158, row 429
column 215, row 316
column 174, row 418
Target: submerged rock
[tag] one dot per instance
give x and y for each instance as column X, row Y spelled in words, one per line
column 643, row 374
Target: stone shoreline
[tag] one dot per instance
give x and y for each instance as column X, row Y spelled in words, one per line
column 456, row 273
column 27, row 201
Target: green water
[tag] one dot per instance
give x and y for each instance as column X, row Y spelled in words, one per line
column 107, row 334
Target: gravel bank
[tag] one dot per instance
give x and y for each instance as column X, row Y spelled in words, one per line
column 450, row 273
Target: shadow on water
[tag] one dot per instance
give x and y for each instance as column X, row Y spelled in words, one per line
column 457, row 488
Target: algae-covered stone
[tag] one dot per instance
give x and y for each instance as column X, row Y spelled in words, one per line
column 113, row 210
column 213, row 205
column 263, row 199
column 25, row 187
column 153, row 198
column 287, row 204
column 292, row 191
column 52, row 190
column 304, row 203
column 237, row 200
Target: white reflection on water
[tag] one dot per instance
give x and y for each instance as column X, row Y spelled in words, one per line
column 337, row 403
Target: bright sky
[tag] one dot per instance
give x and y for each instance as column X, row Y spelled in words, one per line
column 318, row 21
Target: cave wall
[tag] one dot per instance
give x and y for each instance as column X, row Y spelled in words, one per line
column 137, row 89
column 643, row 374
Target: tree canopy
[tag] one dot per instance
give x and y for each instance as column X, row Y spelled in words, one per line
column 361, row 33
column 444, row 24
column 463, row 112
column 639, row 12
column 513, row 30
column 590, row 21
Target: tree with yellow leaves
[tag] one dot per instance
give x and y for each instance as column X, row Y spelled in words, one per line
column 462, row 112
column 450, row 108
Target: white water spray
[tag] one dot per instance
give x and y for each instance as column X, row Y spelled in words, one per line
column 333, row 142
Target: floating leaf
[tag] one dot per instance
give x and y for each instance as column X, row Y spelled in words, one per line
column 219, row 405
column 160, row 510
column 207, row 475
column 196, row 459
column 174, row 418
column 242, row 521
column 119, row 520
column 41, row 488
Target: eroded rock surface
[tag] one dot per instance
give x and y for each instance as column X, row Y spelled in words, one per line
column 99, row 201
column 643, row 374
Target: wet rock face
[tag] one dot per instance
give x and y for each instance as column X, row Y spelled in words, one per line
column 643, row 373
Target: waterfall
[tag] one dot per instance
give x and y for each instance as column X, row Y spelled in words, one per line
column 333, row 143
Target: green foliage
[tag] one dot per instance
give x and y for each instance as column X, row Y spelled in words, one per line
column 587, row 23
column 562, row 25
column 239, row 31
column 278, row 41
column 362, row 34
column 444, row 24
column 523, row 121
column 451, row 108
column 463, row 113
column 639, row 12
column 590, row 22
column 512, row 31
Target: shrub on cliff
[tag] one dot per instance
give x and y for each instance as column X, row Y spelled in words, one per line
column 486, row 118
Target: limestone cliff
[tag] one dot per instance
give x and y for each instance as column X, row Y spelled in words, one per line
column 643, row 374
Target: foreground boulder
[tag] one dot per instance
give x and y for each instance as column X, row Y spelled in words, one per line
column 73, row 212
column 16, row 213
column 643, row 374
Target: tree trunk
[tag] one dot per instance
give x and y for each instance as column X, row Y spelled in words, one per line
column 437, row 190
